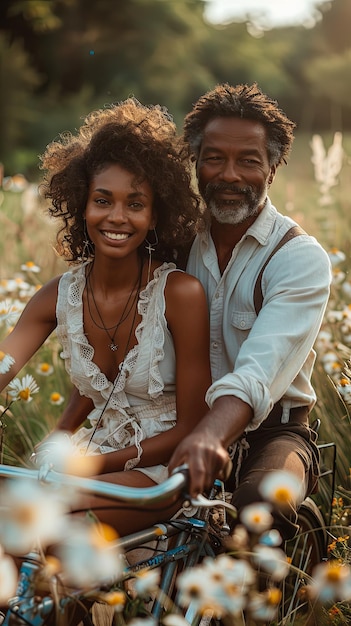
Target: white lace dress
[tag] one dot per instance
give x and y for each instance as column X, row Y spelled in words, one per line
column 141, row 402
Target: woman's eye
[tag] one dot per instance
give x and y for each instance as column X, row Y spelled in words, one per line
column 102, row 201
column 136, row 205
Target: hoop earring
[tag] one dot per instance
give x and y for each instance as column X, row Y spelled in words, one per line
column 150, row 247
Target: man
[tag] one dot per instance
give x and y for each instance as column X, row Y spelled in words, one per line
column 261, row 358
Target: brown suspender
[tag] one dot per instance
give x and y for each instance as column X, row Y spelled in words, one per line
column 258, row 295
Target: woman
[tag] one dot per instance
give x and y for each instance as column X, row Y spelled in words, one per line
column 134, row 329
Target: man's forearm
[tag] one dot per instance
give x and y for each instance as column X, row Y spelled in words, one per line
column 227, row 420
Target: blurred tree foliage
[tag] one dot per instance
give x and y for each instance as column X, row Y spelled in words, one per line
column 59, row 59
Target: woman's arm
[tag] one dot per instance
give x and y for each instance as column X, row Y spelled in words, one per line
column 188, row 321
column 36, row 323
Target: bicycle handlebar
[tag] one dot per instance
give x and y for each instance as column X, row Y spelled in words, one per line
column 174, row 485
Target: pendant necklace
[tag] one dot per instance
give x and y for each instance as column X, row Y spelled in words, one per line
column 125, row 313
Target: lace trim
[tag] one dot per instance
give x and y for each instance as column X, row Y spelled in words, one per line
column 72, row 284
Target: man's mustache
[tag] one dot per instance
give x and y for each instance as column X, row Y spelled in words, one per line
column 229, row 187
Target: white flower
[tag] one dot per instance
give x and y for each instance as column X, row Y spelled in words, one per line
column 146, row 581
column 257, row 517
column 23, row 389
column 8, row 578
column 90, row 554
column 10, row 311
column 31, row 513
column 56, row 398
column 44, row 369
column 336, row 256
column 282, row 488
column 344, row 389
column 263, row 606
column 6, row 362
column 58, row 451
column 271, row 560
column 29, row 266
column 331, row 582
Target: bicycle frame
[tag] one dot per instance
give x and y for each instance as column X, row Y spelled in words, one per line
column 190, row 538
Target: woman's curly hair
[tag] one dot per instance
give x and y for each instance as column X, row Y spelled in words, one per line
column 246, row 102
column 141, row 139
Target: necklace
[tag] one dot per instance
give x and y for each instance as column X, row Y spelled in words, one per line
column 119, row 373
column 125, row 313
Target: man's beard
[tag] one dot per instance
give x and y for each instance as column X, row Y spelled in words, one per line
column 229, row 211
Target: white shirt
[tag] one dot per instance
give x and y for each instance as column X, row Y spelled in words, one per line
column 265, row 358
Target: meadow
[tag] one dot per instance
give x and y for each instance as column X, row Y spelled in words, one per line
column 314, row 189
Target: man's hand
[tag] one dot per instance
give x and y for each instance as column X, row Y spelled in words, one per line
column 205, row 449
column 206, row 459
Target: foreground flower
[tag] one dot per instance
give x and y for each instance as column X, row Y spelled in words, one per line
column 257, row 517
column 31, row 513
column 146, row 582
column 264, row 606
column 23, row 389
column 281, row 488
column 272, row 560
column 58, row 451
column 331, row 582
column 8, row 577
column 218, row 586
column 90, row 554
column 6, row 362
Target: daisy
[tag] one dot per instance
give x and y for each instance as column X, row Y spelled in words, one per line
column 31, row 513
column 331, row 582
column 257, row 517
column 336, row 256
column 56, row 398
column 23, row 389
column 44, row 369
column 6, row 362
column 281, row 488
column 90, row 554
column 29, row 266
column 271, row 560
column 146, row 582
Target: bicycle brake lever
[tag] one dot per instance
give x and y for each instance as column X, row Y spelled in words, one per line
column 201, row 501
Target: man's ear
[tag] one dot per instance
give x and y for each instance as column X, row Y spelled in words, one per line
column 272, row 174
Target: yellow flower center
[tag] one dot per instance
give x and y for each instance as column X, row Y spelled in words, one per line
column 25, row 514
column 334, row 573
column 274, row 596
column 103, row 534
column 55, row 396
column 29, row 264
column 44, row 367
column 194, row 591
column 282, row 494
column 24, row 394
column 2, row 355
column 115, row 598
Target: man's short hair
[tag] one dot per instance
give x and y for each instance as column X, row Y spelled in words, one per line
column 245, row 102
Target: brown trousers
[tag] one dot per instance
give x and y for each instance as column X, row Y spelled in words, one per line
column 273, row 447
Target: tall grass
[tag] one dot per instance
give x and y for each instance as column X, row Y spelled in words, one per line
column 26, row 234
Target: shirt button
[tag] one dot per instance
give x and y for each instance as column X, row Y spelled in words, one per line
column 215, row 345
column 217, row 295
column 242, row 323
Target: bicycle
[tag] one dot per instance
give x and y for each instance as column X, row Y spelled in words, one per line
column 189, row 541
